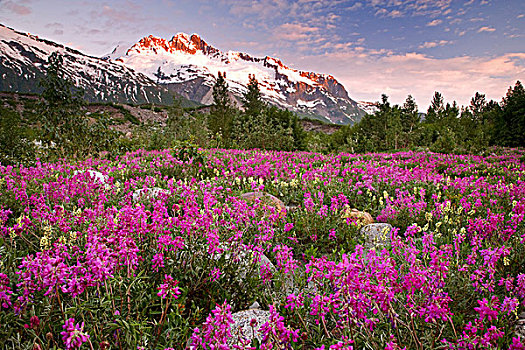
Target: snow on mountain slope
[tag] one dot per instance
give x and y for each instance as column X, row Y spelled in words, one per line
column 188, row 65
column 23, row 61
column 368, row 107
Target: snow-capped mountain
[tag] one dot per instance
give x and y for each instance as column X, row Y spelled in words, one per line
column 153, row 69
column 188, row 66
column 368, row 107
column 22, row 64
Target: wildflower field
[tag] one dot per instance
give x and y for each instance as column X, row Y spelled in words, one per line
column 160, row 250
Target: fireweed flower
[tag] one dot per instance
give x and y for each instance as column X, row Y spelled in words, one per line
column 169, row 287
column 5, row 291
column 73, row 334
column 216, row 331
column 468, row 214
column 275, row 332
column 215, row 274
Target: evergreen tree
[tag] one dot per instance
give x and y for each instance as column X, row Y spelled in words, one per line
column 252, row 129
column 477, row 106
column 220, row 120
column 394, row 129
column 379, row 126
column 283, row 130
column 252, row 100
column 446, row 125
column 388, row 128
column 511, row 122
column 409, row 121
column 450, row 115
column 436, row 109
column 472, row 127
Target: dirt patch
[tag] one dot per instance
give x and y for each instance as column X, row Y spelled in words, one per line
column 148, row 116
column 319, row 127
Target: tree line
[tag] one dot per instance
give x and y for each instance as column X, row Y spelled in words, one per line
column 444, row 128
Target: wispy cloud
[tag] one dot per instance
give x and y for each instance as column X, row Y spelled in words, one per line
column 434, row 23
column 19, row 7
column 355, row 6
column 58, row 28
column 395, row 14
column 431, row 44
column 387, row 13
column 295, row 31
column 261, row 8
column 431, row 8
column 486, row 29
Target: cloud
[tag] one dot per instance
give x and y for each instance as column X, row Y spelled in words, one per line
column 486, row 29
column 381, row 12
column 434, row 23
column 58, row 28
column 295, row 31
column 262, row 8
column 18, row 8
column 431, row 44
column 355, row 6
column 94, row 31
column 395, row 14
column 54, row 25
column 430, row 8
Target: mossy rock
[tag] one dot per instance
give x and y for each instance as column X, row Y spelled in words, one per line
column 361, row 217
column 266, row 199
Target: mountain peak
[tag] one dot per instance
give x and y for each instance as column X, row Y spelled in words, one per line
column 181, row 42
column 149, row 43
column 181, row 36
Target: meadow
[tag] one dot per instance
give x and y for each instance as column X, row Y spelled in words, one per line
column 160, row 250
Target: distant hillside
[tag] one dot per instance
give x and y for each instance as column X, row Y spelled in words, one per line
column 23, row 61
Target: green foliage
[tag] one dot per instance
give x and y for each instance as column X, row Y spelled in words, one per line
column 13, row 145
column 220, row 120
column 177, row 123
column 409, row 123
column 252, row 101
column 509, row 125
